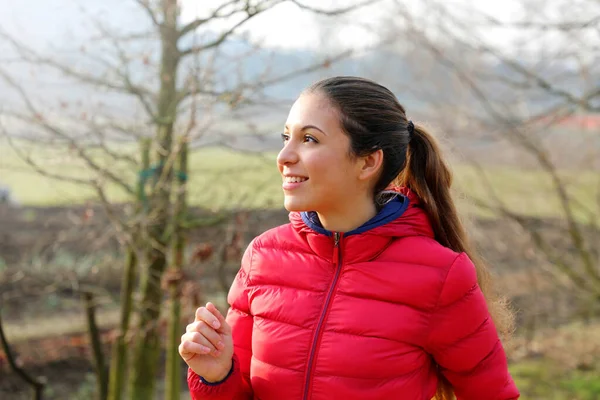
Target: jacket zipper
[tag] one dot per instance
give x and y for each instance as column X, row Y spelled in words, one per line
column 337, row 260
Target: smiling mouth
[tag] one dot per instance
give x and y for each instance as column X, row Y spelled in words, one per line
column 294, row 179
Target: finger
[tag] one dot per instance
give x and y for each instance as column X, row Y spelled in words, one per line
column 224, row 328
column 198, row 338
column 208, row 332
column 203, row 314
column 188, row 349
column 186, row 355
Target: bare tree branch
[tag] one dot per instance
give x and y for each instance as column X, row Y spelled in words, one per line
column 251, row 10
column 38, row 386
column 39, row 169
column 139, row 92
column 306, row 70
column 549, row 251
column 326, row 63
column 251, row 13
column 544, row 26
column 229, row 95
column 124, row 232
column 517, row 133
column 78, row 148
column 334, row 12
column 145, row 4
column 149, row 35
column 101, row 135
column 37, row 119
column 582, row 101
column 126, row 87
column 122, row 228
column 537, row 150
column 215, row 15
column 127, row 131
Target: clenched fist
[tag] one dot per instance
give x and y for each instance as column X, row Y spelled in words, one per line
column 207, row 345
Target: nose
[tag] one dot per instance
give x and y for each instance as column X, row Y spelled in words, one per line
column 288, row 155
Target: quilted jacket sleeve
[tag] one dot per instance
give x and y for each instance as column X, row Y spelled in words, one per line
column 237, row 384
column 464, row 341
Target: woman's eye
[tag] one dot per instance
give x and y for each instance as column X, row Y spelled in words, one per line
column 307, row 139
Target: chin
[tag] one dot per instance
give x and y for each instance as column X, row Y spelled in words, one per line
column 292, row 204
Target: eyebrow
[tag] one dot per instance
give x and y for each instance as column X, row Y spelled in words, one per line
column 309, row 127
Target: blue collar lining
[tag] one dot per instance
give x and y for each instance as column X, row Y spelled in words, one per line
column 391, row 211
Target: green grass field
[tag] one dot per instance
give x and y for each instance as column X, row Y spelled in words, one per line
column 543, row 379
column 222, row 179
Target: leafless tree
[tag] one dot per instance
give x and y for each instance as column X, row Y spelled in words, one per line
column 169, row 87
column 526, row 90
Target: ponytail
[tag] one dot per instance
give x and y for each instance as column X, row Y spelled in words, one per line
column 374, row 119
column 429, row 177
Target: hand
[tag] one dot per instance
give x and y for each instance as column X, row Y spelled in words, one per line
column 207, row 345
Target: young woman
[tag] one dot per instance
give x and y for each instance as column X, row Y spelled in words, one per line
column 372, row 290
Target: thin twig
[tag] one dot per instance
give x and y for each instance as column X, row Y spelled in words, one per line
column 334, row 12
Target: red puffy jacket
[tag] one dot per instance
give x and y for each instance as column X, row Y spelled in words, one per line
column 367, row 314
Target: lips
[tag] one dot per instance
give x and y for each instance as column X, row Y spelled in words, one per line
column 291, row 182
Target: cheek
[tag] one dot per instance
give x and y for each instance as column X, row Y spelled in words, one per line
column 317, row 164
column 330, row 169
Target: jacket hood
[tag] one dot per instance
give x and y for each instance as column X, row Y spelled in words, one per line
column 402, row 216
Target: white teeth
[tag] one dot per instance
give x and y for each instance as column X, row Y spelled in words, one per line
column 294, row 179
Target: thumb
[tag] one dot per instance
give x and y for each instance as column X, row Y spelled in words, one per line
column 224, row 328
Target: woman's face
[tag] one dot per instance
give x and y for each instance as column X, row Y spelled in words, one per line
column 315, row 163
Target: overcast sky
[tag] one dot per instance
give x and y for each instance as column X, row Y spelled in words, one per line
column 285, row 27
column 63, row 24
column 38, row 21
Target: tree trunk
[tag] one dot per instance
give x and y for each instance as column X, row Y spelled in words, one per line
column 96, row 345
column 118, row 366
column 119, row 357
column 147, row 350
column 173, row 366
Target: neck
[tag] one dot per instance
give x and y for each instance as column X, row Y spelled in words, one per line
column 348, row 217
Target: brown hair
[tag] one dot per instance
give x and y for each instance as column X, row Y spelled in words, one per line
column 374, row 119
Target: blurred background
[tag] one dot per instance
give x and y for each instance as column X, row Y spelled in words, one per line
column 137, row 160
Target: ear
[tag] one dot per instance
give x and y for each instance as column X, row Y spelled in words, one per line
column 370, row 165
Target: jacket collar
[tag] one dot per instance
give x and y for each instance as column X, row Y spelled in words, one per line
column 402, row 216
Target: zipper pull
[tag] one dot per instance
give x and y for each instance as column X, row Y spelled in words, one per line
column 336, row 247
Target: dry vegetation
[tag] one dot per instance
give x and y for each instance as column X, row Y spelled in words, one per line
column 554, row 351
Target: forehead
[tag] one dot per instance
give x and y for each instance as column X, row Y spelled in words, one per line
column 313, row 109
